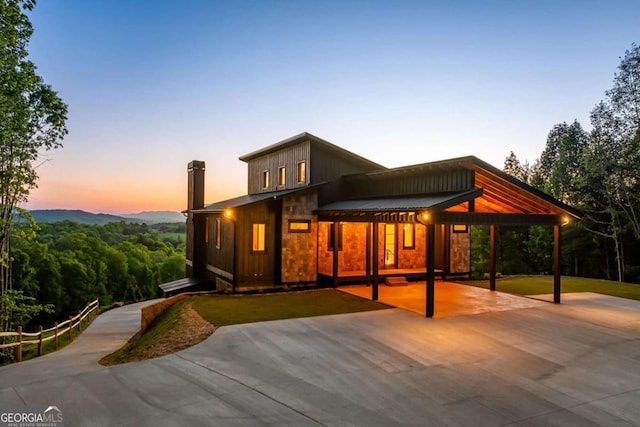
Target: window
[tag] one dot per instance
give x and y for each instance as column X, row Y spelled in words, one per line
column 302, row 172
column 460, row 228
column 281, row 175
column 408, row 236
column 258, row 242
column 265, row 179
column 331, row 234
column 299, row 226
column 218, row 233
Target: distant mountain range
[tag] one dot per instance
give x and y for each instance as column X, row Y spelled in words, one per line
column 83, row 217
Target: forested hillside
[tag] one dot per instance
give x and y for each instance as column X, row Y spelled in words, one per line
column 82, row 217
column 68, row 264
column 596, row 171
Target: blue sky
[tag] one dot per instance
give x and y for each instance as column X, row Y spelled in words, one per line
column 152, row 85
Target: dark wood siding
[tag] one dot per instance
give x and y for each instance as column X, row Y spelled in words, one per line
column 288, row 158
column 221, row 258
column 445, row 182
column 327, row 166
column 256, row 269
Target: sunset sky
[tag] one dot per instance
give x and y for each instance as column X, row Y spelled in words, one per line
column 152, row 85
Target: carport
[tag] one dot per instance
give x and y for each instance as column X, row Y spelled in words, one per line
column 452, row 299
column 455, row 193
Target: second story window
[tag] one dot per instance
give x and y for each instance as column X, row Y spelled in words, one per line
column 302, row 172
column 265, row 179
column 281, row 175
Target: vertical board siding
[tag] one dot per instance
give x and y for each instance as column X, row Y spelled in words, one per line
column 328, row 166
column 443, row 182
column 287, row 158
column 223, row 257
column 255, row 269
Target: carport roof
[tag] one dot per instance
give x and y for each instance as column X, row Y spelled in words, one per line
column 400, row 204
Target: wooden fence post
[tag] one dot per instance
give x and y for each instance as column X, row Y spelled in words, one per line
column 70, row 328
column 40, row 342
column 80, row 322
column 55, row 337
column 19, row 347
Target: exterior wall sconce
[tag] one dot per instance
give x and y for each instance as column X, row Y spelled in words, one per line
column 228, row 213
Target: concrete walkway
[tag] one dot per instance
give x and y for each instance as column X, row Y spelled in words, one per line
column 574, row 364
column 107, row 333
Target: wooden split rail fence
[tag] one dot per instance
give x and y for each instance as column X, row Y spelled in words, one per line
column 44, row 335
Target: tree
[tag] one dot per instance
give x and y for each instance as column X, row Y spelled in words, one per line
column 32, row 120
column 513, row 167
column 624, row 96
column 609, row 180
column 559, row 163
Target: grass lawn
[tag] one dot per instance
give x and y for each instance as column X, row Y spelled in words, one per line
column 223, row 310
column 164, row 335
column 162, row 325
column 536, row 285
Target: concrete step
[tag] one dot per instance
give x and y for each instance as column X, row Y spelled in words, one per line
column 396, row 281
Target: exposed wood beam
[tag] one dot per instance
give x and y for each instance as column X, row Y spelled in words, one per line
column 482, row 218
column 513, row 192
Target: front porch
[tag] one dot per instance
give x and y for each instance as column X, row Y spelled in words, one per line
column 452, row 299
column 361, row 276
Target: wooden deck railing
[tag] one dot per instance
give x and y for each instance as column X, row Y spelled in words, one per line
column 44, row 335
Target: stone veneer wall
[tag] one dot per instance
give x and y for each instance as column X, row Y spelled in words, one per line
column 299, row 260
column 460, row 253
column 352, row 257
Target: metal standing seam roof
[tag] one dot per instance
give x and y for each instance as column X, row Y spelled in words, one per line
column 409, row 203
column 248, row 199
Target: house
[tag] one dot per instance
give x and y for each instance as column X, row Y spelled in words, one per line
column 317, row 213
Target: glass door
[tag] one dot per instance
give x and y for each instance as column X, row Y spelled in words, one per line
column 390, row 246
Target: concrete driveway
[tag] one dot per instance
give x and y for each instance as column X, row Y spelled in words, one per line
column 577, row 363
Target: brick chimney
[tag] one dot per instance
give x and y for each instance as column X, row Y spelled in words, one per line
column 196, row 243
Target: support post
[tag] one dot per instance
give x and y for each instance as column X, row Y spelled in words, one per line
column 336, row 226
column 367, row 261
column 40, row 342
column 557, row 241
column 374, row 284
column 19, row 347
column 492, row 257
column 431, row 272
column 55, row 336
column 70, row 328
